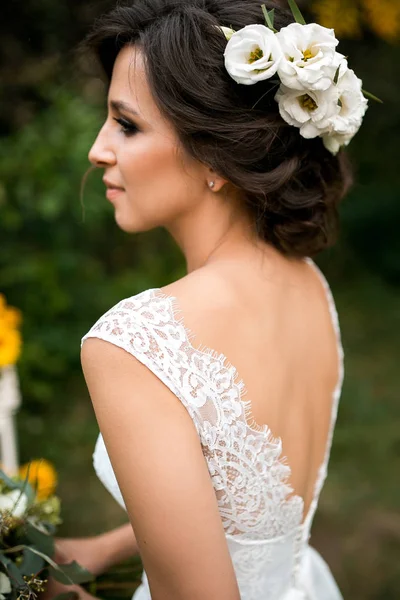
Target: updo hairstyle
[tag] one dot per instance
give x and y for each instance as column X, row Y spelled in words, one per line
column 290, row 185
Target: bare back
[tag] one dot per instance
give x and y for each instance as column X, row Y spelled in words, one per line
column 275, row 327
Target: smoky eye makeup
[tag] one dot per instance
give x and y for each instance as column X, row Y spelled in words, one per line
column 127, row 127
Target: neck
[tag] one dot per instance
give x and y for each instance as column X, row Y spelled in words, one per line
column 214, row 231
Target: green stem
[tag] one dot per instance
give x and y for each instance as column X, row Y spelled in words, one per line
column 296, row 12
column 369, row 95
column 268, row 19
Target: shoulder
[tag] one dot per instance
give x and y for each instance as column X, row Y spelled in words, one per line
column 200, row 295
column 124, row 335
column 203, row 287
column 121, row 320
column 205, row 301
column 124, row 358
column 154, row 326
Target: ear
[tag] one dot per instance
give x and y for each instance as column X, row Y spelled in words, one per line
column 214, row 181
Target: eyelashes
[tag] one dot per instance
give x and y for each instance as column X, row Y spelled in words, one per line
column 127, row 127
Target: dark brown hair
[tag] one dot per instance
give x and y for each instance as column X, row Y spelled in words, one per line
column 291, row 185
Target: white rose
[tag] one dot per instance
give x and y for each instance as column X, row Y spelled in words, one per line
column 309, row 59
column 5, row 585
column 311, row 111
column 252, row 54
column 14, row 503
column 352, row 108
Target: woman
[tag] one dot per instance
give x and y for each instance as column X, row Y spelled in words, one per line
column 220, row 490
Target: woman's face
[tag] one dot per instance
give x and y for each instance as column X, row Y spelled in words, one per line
column 157, row 183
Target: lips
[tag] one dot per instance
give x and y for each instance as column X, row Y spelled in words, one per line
column 112, row 186
column 113, row 190
column 113, row 193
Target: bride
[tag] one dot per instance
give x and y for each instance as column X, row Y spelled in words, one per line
column 216, row 395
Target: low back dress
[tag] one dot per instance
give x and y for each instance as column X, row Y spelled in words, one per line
column 267, row 537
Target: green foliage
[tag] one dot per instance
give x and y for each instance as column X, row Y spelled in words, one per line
column 371, row 213
column 54, row 263
column 27, row 544
column 296, row 12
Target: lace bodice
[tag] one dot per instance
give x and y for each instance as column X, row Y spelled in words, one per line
column 261, row 516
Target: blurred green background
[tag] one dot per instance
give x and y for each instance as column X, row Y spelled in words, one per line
column 64, row 264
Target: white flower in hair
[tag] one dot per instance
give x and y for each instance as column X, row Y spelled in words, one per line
column 312, row 111
column 333, row 142
column 310, row 59
column 252, row 54
column 352, row 107
column 318, row 93
column 227, row 31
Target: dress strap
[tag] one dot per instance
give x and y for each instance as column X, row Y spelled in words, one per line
column 336, row 395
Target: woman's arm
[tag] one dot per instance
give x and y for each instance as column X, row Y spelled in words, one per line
column 97, row 553
column 118, row 545
column 162, row 473
column 101, row 552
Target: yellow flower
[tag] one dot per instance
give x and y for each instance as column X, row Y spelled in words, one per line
column 348, row 16
column 10, row 338
column 42, row 476
column 11, row 317
column 341, row 15
column 10, row 346
column 383, row 16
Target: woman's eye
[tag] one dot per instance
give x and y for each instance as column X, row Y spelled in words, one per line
column 126, row 127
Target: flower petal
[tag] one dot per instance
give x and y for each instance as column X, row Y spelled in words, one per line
column 252, row 54
column 308, row 54
column 5, row 584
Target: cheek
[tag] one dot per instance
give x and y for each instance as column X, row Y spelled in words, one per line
column 157, row 179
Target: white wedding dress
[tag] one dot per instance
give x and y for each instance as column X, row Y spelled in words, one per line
column 267, row 540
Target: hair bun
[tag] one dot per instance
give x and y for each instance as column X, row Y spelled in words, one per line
column 290, row 185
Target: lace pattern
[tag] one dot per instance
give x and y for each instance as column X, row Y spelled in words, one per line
column 259, row 512
column 247, row 470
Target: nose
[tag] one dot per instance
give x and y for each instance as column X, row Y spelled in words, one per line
column 101, row 153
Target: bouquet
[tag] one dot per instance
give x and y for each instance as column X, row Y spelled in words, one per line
column 29, row 516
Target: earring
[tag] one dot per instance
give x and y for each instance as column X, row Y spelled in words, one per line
column 211, row 184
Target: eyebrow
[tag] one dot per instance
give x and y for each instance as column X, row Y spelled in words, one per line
column 119, row 105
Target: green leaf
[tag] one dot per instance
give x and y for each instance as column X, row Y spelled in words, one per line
column 31, row 563
column 68, row 574
column 71, row 573
column 35, row 551
column 23, row 486
column 6, row 561
column 336, row 78
column 10, row 483
column 272, row 16
column 12, row 569
column 44, row 542
column 67, row 596
column 296, row 12
column 268, row 20
column 27, row 489
column 369, row 95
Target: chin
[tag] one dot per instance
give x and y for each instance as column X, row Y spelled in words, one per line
column 130, row 225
